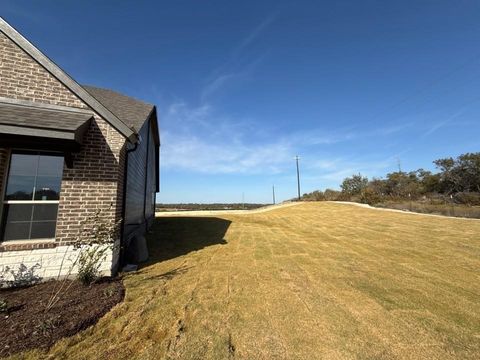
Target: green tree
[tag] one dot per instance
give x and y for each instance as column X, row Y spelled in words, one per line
column 461, row 174
column 429, row 182
column 402, row 184
column 354, row 185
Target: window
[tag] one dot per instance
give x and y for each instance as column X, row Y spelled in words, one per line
column 31, row 197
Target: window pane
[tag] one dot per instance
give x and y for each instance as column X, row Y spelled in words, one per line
column 50, row 166
column 17, row 231
column 17, row 221
column 20, row 187
column 24, row 164
column 48, row 188
column 49, row 178
column 43, row 230
column 45, row 212
column 28, row 172
column 18, row 212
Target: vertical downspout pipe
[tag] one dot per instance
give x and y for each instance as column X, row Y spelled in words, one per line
column 124, row 202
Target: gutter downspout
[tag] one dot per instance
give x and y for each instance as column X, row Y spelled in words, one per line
column 124, row 202
column 146, row 174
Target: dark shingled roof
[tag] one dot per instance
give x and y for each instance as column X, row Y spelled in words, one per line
column 22, row 125
column 35, row 118
column 130, row 111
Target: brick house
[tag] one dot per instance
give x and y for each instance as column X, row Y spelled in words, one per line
column 66, row 152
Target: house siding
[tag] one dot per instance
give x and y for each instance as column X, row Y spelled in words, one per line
column 151, row 181
column 96, row 180
column 141, row 173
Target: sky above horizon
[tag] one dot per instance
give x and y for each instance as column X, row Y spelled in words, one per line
column 243, row 87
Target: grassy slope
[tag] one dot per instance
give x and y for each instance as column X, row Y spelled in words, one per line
column 318, row 280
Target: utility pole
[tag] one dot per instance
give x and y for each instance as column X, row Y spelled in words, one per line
column 243, row 200
column 273, row 190
column 399, row 165
column 298, row 177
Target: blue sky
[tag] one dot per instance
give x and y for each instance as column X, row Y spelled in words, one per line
column 242, row 87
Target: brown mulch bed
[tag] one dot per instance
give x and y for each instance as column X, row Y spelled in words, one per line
column 26, row 325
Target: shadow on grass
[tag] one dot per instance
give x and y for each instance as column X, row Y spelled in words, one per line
column 171, row 237
column 169, row 275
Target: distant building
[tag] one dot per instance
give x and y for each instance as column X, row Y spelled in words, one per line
column 66, row 151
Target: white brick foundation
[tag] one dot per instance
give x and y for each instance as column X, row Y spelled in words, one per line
column 46, row 264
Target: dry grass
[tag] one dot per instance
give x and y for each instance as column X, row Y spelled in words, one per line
column 457, row 210
column 314, row 281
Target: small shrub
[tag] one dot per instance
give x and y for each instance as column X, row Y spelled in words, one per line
column 3, row 306
column 47, row 325
column 467, row 198
column 370, row 197
column 331, row 195
column 437, row 199
column 95, row 236
column 21, row 277
column 109, row 291
column 89, row 261
column 345, row 197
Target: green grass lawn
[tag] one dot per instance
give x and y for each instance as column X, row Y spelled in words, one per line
column 313, row 281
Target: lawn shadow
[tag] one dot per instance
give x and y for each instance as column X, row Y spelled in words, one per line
column 171, row 237
column 169, row 275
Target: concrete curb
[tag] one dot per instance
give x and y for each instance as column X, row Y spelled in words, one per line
column 400, row 211
column 225, row 212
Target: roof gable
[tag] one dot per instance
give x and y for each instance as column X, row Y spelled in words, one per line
column 131, row 111
column 66, row 80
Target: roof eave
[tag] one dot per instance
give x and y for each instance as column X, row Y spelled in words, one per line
column 152, row 117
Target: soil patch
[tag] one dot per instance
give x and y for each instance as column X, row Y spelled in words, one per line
column 26, row 325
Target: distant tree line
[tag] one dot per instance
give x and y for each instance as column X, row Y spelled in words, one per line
column 457, row 180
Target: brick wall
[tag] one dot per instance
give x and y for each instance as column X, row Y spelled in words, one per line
column 94, row 182
column 96, row 179
column 23, row 78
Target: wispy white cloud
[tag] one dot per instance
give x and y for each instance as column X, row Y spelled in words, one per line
column 197, row 155
column 185, row 117
column 229, row 77
column 325, row 173
column 313, row 137
column 346, row 168
column 393, row 129
column 236, row 68
column 253, row 35
column 440, row 124
column 216, row 84
column 198, row 139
